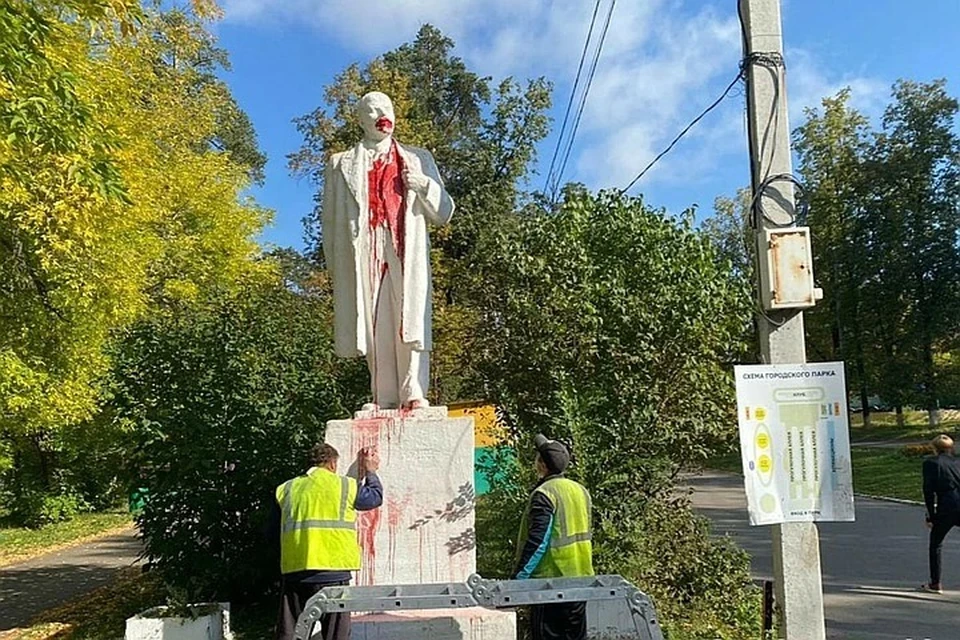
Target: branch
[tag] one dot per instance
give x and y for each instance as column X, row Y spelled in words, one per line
column 41, row 287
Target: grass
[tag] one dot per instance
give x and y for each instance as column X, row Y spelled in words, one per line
column 887, row 473
column 883, row 426
column 19, row 543
column 102, row 614
column 884, row 473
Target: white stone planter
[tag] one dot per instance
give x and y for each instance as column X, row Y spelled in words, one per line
column 212, row 623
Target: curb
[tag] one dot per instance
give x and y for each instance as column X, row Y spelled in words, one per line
column 914, row 503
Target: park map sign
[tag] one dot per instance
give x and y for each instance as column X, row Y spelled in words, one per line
column 795, row 442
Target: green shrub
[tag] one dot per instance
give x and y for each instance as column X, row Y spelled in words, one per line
column 227, row 399
column 35, row 509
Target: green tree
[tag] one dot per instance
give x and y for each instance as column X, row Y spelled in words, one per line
column 885, row 207
column 729, row 230
column 918, row 218
column 734, row 242
column 833, row 148
column 611, row 326
column 119, row 191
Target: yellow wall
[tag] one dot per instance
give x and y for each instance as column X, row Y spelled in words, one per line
column 487, row 431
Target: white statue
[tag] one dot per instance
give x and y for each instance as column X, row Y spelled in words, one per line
column 377, row 200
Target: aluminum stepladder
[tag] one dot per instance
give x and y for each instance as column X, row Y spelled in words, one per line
column 615, row 608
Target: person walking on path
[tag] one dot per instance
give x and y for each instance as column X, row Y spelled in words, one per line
column 941, row 493
column 555, row 541
column 315, row 519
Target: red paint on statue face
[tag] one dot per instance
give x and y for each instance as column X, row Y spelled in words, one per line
column 384, row 124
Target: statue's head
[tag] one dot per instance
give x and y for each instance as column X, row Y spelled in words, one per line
column 375, row 111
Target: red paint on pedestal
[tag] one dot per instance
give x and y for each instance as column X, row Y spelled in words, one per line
column 395, row 513
column 368, row 523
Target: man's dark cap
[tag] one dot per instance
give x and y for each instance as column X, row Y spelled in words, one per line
column 554, row 455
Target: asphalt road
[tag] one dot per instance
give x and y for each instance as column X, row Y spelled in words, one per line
column 30, row 588
column 871, row 567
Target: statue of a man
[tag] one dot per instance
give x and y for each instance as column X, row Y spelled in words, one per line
column 377, row 200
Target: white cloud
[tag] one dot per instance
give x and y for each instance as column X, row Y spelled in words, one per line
column 663, row 62
column 808, row 83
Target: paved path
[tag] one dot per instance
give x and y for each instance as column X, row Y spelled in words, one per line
column 30, row 588
column 870, row 567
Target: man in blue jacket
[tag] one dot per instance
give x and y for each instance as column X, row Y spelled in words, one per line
column 941, row 493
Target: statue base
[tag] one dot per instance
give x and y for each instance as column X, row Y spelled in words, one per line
column 424, row 532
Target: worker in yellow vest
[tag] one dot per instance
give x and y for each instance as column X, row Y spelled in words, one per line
column 316, row 516
column 555, row 541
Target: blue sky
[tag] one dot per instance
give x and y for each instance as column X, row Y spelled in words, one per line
column 664, row 61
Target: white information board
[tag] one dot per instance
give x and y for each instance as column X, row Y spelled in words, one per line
column 795, row 442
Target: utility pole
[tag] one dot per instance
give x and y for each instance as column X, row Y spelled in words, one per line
column 796, row 545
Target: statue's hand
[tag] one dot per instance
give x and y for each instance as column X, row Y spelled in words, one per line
column 416, row 181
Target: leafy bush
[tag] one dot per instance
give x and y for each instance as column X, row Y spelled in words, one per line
column 34, row 508
column 227, row 398
column 701, row 584
column 53, row 475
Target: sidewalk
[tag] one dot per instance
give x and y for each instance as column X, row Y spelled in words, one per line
column 29, row 588
column 871, row 567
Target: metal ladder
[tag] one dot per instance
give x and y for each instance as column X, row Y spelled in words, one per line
column 615, row 608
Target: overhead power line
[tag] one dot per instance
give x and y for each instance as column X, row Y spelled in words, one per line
column 583, row 99
column 686, row 129
column 573, row 94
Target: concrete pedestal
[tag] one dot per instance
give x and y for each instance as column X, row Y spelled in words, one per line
column 424, row 533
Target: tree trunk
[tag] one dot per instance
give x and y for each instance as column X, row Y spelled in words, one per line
column 900, row 421
column 929, row 383
column 44, row 463
column 865, row 403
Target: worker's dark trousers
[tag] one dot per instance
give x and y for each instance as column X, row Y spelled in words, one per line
column 335, row 626
column 559, row 621
column 942, row 523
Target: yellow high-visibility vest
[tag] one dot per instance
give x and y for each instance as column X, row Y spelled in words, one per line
column 571, row 550
column 318, row 523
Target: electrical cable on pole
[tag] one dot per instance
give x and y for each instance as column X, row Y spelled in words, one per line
column 686, row 129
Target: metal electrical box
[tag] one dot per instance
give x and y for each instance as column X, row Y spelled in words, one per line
column 787, row 269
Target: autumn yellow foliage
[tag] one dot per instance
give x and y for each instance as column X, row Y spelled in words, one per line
column 114, row 197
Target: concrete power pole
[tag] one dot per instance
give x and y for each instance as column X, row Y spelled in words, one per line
column 796, row 545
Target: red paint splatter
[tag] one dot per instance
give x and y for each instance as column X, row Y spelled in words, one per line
column 395, row 513
column 384, row 124
column 365, row 434
column 368, row 523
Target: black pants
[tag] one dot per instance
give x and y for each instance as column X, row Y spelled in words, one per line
column 942, row 523
column 559, row 621
column 335, row 626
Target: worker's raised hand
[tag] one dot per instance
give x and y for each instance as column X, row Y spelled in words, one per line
column 369, row 460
